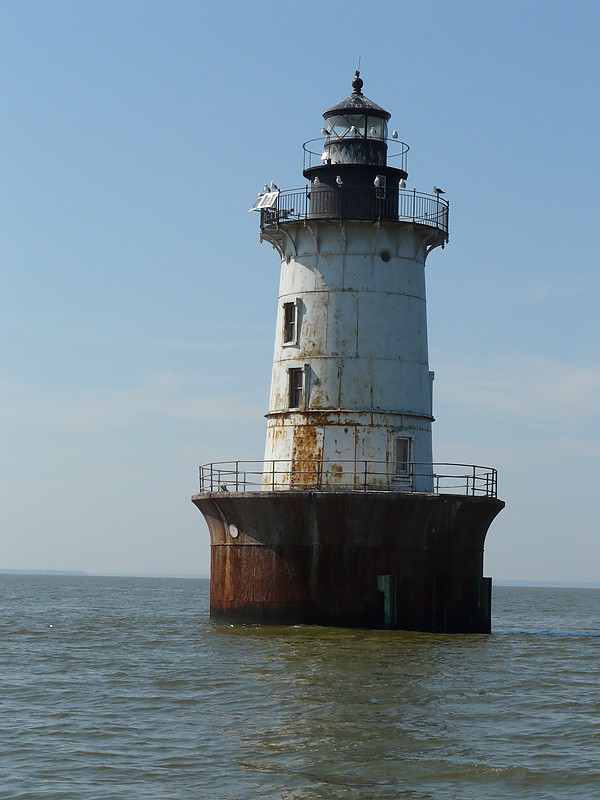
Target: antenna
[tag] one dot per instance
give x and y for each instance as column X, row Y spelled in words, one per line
column 358, row 68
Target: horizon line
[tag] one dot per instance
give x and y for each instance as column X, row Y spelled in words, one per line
column 524, row 582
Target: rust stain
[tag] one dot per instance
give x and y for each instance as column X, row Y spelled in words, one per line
column 307, row 454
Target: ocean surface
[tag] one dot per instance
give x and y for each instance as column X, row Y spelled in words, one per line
column 123, row 688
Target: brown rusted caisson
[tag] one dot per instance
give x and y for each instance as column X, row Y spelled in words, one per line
column 315, row 557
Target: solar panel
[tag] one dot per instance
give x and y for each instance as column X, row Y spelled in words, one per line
column 266, row 200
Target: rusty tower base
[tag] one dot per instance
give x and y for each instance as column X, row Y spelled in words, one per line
column 352, row 559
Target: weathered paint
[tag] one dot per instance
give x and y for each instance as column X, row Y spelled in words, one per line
column 315, row 557
column 311, row 547
column 361, row 343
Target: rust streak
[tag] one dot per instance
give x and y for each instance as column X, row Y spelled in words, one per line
column 307, row 455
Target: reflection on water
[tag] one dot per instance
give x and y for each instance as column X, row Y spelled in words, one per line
column 382, row 712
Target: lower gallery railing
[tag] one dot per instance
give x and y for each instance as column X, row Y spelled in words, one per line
column 365, row 476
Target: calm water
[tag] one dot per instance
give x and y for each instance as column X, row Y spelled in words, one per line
column 122, row 688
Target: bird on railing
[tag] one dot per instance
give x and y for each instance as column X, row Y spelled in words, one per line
column 339, row 181
column 438, row 191
column 224, row 488
column 274, row 187
column 402, row 183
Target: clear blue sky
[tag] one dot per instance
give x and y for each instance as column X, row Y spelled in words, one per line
column 138, row 306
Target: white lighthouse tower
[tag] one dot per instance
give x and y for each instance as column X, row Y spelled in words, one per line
column 347, row 520
column 351, row 383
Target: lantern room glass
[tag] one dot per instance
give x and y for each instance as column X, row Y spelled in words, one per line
column 376, row 128
column 341, row 126
column 364, row 127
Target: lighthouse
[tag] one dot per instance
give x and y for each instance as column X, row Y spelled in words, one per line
column 347, row 520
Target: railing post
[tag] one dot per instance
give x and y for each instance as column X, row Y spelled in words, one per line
column 414, row 201
column 366, row 468
column 273, row 475
column 473, row 487
column 211, row 477
column 237, row 475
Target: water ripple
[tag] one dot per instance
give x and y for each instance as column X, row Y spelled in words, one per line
column 123, row 688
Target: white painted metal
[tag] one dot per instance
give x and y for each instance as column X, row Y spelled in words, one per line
column 361, row 341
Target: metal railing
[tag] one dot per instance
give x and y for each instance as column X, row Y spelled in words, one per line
column 357, row 202
column 395, row 150
column 294, row 475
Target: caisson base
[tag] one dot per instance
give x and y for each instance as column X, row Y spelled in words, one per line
column 355, row 559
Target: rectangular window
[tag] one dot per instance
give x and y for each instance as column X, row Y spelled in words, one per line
column 295, row 388
column 289, row 323
column 402, row 456
column 380, row 187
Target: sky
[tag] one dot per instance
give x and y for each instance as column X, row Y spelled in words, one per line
column 138, row 305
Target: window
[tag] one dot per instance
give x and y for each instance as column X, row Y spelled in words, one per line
column 401, row 456
column 349, row 126
column 380, row 186
column 290, row 313
column 294, row 388
column 376, row 128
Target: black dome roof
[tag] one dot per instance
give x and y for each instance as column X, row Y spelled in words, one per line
column 357, row 103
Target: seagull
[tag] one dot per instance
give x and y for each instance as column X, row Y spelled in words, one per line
column 324, row 131
column 316, row 182
column 339, row 181
column 266, row 188
column 377, row 181
column 438, row 191
column 274, row 187
column 373, row 132
column 394, row 134
column 353, row 131
column 402, row 183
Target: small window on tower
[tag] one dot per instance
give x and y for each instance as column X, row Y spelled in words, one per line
column 380, row 183
column 295, row 388
column 290, row 323
column 402, row 456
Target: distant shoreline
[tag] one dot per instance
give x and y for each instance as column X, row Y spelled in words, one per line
column 202, row 576
column 549, row 584
column 76, row 573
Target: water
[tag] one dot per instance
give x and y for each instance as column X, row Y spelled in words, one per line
column 122, row 688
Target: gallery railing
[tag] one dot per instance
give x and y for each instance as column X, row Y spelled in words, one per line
column 294, row 475
column 354, row 202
